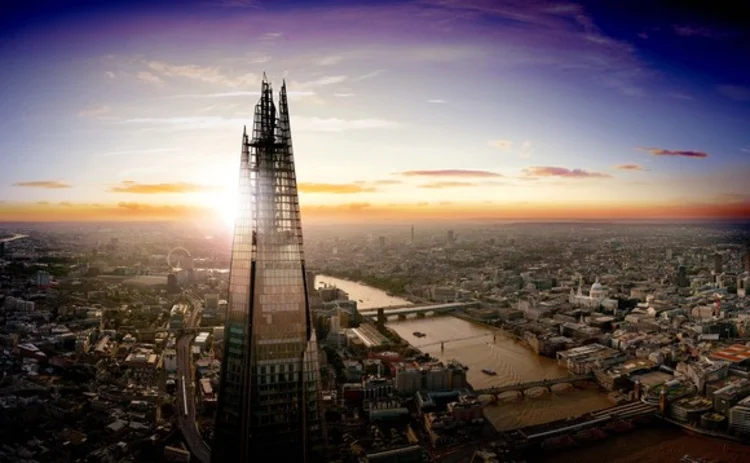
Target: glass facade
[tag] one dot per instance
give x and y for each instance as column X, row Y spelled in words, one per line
column 268, row 406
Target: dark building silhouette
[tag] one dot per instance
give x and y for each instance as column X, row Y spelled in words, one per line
column 172, row 286
column 745, row 257
column 269, row 395
column 718, row 264
column 2, row 249
column 682, row 278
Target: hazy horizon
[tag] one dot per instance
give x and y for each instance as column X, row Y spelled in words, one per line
column 400, row 110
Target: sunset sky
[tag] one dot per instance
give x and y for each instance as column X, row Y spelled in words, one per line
column 433, row 108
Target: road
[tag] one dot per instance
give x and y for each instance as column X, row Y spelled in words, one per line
column 13, row 238
column 198, row 447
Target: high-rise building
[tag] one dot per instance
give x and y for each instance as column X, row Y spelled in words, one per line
column 745, row 257
column 682, row 279
column 718, row 264
column 2, row 249
column 269, row 394
column 42, row 279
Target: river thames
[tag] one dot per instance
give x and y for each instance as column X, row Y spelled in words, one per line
column 515, row 363
column 512, row 361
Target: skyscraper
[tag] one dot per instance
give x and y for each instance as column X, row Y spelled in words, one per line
column 268, row 405
column 718, row 264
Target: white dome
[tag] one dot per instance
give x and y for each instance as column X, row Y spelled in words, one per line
column 596, row 287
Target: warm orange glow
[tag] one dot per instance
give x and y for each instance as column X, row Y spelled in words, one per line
column 223, row 206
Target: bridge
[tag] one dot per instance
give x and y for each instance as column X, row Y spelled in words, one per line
column 403, row 311
column 523, row 387
column 445, row 341
column 13, row 238
column 626, row 412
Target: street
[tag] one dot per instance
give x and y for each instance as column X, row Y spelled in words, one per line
column 187, row 423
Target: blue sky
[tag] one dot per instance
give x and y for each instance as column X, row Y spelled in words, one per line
column 548, row 105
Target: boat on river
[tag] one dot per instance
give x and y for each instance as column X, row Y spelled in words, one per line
column 489, row 372
column 419, row 334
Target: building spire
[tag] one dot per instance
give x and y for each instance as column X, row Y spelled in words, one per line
column 265, row 79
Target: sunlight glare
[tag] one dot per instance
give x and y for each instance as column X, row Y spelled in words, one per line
column 226, row 203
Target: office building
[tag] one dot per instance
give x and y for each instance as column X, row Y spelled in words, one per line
column 718, row 264
column 269, row 393
column 42, row 279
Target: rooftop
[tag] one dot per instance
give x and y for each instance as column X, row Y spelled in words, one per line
column 735, row 353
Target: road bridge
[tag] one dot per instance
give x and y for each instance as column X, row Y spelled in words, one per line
column 403, row 311
column 522, row 387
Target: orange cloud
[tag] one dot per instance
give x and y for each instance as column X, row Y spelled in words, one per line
column 129, row 186
column 683, row 153
column 451, row 173
column 439, row 185
column 546, row 171
column 334, row 188
column 630, row 167
column 524, row 210
column 387, row 182
column 48, row 184
column 84, row 212
column 725, row 207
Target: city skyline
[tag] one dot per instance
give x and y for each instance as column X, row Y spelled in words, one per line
column 427, row 109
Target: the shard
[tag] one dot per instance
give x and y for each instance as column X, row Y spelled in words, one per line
column 269, row 396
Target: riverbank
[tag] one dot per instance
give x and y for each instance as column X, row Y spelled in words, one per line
column 393, row 286
column 480, row 347
column 367, row 297
column 703, row 432
column 516, row 362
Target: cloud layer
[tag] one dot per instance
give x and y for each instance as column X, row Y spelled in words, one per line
column 636, row 167
column 46, row 184
column 158, row 188
column 465, row 173
column 334, row 188
column 683, row 153
column 547, row 171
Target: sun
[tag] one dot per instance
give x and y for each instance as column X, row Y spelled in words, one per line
column 225, row 201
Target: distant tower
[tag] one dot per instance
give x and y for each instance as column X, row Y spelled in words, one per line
column 745, row 258
column 412, row 236
column 743, row 281
column 682, row 278
column 451, row 236
column 718, row 264
column 669, row 254
column 2, row 244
